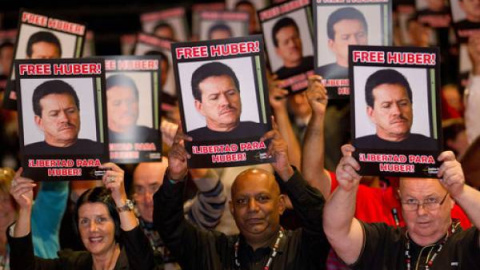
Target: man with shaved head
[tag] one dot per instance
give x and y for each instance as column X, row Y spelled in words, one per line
column 256, row 206
column 205, row 210
column 431, row 239
column 263, row 225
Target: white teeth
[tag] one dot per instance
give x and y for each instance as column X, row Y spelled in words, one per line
column 95, row 239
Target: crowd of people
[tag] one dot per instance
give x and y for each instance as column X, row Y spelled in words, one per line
column 308, row 209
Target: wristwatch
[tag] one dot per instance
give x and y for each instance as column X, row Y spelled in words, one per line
column 128, row 206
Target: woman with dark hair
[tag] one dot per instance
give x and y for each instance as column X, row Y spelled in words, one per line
column 106, row 225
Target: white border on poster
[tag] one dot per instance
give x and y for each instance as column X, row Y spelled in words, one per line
column 300, row 17
column 243, row 69
column 85, row 92
column 416, row 77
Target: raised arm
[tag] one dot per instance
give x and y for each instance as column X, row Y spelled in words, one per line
column 186, row 242
column 313, row 157
column 344, row 232
column 278, row 102
column 20, row 239
column 307, row 201
column 207, row 207
column 22, row 191
column 47, row 214
column 138, row 250
column 452, row 178
column 278, row 149
column 114, row 181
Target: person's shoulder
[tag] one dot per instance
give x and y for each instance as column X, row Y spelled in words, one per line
column 333, row 71
column 326, row 67
column 282, row 72
column 148, row 131
column 423, row 141
column 421, row 138
column 250, row 124
column 366, row 139
column 76, row 259
column 417, row 136
column 35, row 146
column 145, row 129
column 200, row 133
column 87, row 143
column 308, row 59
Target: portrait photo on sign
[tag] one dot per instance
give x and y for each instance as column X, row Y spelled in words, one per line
column 133, row 128
column 198, row 8
column 257, row 4
column 393, row 108
column 167, row 79
column 59, row 113
column 173, row 28
column 7, row 48
column 465, row 13
column 220, row 96
column 39, row 43
column 430, row 5
column 143, row 114
column 338, row 27
column 218, row 29
column 251, row 7
column 289, row 43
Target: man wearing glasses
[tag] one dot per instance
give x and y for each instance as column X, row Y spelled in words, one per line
column 430, row 239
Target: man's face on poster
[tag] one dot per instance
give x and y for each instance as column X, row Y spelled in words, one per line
column 165, row 32
column 435, row 5
column 44, row 50
column 164, row 68
column 220, row 34
column 122, row 106
column 6, row 57
column 419, row 33
column 289, row 46
column 392, row 112
column 60, row 119
column 471, row 9
column 347, row 32
column 252, row 12
column 220, row 104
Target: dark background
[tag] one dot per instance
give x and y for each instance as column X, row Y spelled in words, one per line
column 108, row 19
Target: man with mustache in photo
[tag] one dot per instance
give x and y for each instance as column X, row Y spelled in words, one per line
column 216, row 91
column 123, row 113
column 389, row 107
column 57, row 115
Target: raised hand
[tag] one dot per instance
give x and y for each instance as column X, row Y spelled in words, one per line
column 277, row 95
column 114, row 181
column 169, row 130
column 177, row 157
column 278, row 149
column 451, row 173
column 317, row 95
column 347, row 168
column 22, row 190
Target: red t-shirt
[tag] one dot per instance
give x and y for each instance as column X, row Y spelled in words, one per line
column 376, row 204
